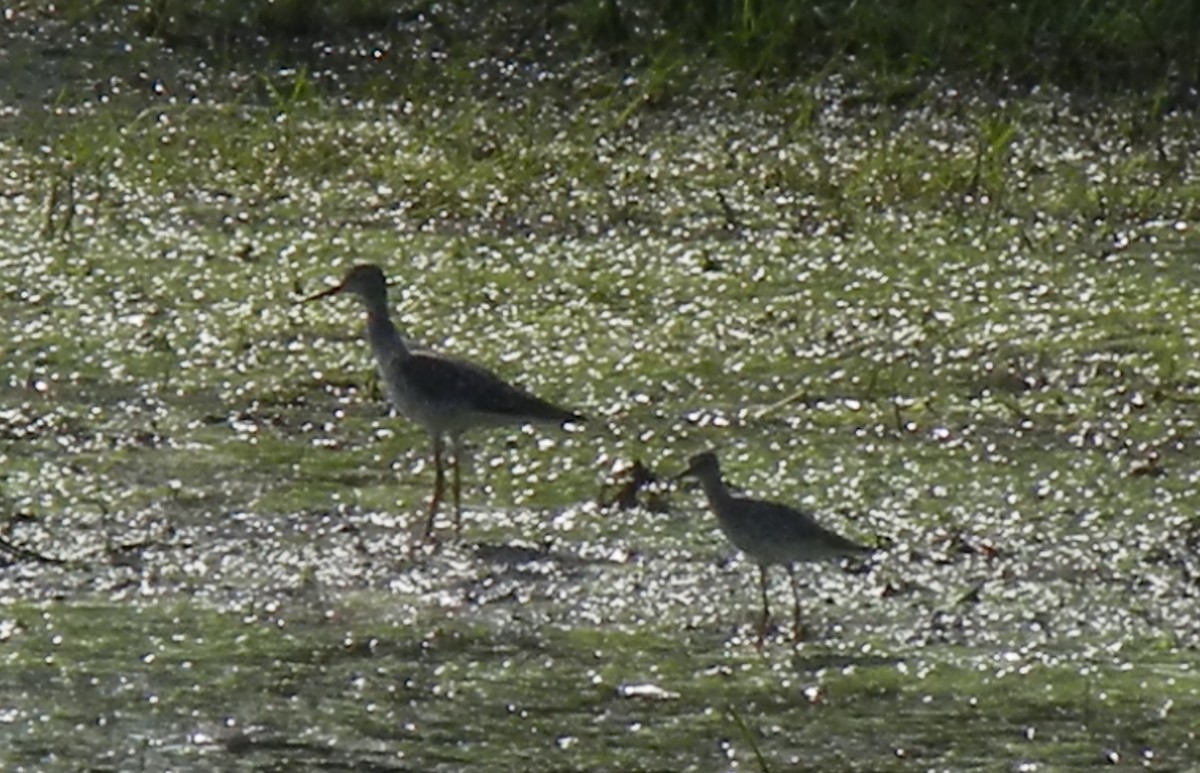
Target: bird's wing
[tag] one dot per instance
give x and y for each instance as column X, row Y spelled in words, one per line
column 441, row 378
column 792, row 525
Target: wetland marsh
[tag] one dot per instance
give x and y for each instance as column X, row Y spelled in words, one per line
column 957, row 321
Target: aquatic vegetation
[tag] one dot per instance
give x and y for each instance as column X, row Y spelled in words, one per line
column 960, row 322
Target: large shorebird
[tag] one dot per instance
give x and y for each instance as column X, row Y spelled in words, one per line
column 445, row 395
column 769, row 532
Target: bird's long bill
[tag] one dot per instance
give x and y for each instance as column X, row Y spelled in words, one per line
column 324, row 293
column 691, row 470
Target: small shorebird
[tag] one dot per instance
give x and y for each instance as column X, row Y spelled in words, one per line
column 445, row 395
column 769, row 532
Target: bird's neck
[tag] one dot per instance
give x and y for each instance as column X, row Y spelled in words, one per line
column 385, row 339
column 714, row 489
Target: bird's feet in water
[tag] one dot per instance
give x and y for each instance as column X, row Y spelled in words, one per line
column 767, row 629
column 423, row 545
column 770, row 630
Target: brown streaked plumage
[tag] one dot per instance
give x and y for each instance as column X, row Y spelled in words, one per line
column 445, row 395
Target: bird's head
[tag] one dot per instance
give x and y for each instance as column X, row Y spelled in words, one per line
column 703, row 466
column 365, row 280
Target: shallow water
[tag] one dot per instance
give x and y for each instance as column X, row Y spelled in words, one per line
column 960, row 329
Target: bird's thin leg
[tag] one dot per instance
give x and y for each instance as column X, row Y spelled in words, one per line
column 797, row 625
column 456, row 440
column 766, row 611
column 439, row 484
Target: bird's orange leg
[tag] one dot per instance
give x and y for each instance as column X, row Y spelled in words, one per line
column 797, row 624
column 458, row 452
column 439, row 485
column 766, row 611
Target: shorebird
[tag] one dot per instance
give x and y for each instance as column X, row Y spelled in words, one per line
column 769, row 532
column 445, row 395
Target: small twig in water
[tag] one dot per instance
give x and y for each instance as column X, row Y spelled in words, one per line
column 732, row 221
column 749, row 738
column 25, row 554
